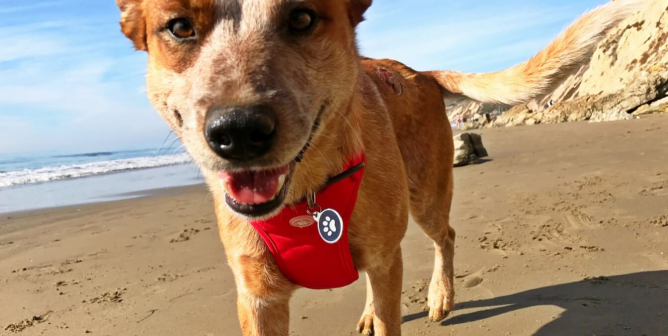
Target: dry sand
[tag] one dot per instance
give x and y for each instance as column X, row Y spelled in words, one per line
column 563, row 232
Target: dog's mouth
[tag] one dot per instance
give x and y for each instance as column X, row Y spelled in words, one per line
column 256, row 193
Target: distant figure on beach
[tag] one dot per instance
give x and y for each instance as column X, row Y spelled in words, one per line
column 459, row 122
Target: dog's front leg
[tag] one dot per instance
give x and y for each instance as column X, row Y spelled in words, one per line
column 386, row 282
column 263, row 298
column 263, row 316
column 365, row 325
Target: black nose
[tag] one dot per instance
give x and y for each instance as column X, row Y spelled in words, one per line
column 240, row 133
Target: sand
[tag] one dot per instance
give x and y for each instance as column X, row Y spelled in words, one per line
column 564, row 231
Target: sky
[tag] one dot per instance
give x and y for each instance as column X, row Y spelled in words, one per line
column 71, row 82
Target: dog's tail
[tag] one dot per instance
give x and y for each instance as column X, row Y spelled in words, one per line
column 539, row 75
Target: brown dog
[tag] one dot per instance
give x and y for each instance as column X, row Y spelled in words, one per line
column 248, row 85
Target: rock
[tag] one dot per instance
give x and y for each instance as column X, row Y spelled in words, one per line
column 478, row 148
column 477, row 115
column 513, row 117
column 644, row 90
column 468, row 149
column 463, row 150
column 463, row 108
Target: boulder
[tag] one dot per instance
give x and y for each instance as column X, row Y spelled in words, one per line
column 478, row 148
column 463, row 150
column 468, row 149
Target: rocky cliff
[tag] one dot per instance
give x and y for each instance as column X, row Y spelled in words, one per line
column 627, row 76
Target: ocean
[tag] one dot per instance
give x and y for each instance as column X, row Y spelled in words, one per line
column 49, row 179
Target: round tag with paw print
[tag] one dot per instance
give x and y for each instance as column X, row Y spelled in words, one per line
column 330, row 226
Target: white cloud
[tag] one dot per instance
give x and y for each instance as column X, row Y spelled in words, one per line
column 31, row 7
column 26, row 46
column 66, row 86
column 471, row 39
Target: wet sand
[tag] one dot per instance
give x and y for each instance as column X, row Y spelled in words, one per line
column 564, row 231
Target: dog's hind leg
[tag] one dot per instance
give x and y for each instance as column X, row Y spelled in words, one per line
column 427, row 148
column 425, row 140
column 431, row 191
column 434, row 219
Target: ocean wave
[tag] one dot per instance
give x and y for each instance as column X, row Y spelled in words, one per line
column 87, row 155
column 29, row 176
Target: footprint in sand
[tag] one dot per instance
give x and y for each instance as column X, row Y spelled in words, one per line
column 109, row 297
column 473, row 281
column 167, row 277
column 553, row 233
column 27, row 323
column 417, row 296
column 657, row 189
column 186, row 235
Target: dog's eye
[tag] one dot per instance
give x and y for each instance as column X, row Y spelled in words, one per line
column 181, row 29
column 302, row 20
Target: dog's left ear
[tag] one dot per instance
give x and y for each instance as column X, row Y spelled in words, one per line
column 133, row 24
column 356, row 10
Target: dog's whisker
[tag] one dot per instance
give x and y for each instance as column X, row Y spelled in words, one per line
column 345, row 118
column 172, row 145
column 329, row 162
column 177, row 149
column 164, row 142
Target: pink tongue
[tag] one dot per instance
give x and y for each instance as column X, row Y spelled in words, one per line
column 253, row 187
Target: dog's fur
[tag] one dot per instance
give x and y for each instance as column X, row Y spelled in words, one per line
column 243, row 55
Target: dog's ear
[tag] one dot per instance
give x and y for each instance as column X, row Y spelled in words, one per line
column 356, row 10
column 133, row 24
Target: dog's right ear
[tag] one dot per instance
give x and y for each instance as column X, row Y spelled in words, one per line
column 133, row 24
column 356, row 10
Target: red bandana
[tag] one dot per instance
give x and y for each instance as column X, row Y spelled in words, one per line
column 297, row 244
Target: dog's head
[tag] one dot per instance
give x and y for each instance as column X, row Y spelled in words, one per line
column 245, row 83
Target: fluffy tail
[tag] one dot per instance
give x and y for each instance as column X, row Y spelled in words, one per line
column 539, row 75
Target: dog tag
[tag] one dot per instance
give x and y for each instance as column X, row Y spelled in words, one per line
column 330, row 225
column 302, row 221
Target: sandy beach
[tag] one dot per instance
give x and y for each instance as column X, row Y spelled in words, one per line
column 563, row 231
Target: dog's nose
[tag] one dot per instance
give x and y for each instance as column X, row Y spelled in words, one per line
column 240, row 133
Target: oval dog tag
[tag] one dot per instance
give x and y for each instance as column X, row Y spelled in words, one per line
column 302, row 221
column 330, row 225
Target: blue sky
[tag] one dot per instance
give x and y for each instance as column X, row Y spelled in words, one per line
column 69, row 81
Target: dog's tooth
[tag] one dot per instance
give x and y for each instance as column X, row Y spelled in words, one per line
column 281, row 181
column 226, row 187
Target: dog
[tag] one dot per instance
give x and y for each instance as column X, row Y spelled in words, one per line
column 272, row 99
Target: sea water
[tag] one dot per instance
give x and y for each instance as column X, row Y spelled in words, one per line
column 49, row 179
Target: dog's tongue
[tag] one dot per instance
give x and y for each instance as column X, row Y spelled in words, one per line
column 253, row 187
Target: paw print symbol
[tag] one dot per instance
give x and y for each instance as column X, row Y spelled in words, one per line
column 329, row 226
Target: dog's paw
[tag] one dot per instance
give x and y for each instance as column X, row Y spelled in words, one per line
column 440, row 303
column 365, row 326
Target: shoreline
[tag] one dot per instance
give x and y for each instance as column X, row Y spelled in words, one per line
column 127, row 199
column 98, row 188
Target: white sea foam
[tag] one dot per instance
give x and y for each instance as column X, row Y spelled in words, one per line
column 28, row 176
